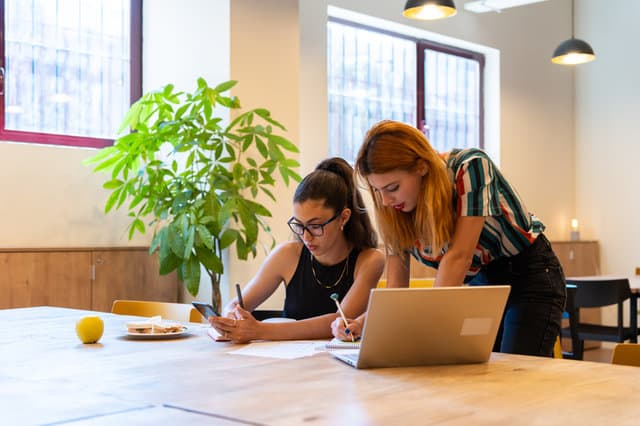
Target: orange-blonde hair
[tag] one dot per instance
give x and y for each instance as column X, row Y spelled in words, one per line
column 389, row 146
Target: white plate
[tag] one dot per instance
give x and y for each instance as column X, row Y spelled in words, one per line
column 151, row 336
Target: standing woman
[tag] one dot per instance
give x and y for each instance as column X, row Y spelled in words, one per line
column 457, row 213
column 335, row 252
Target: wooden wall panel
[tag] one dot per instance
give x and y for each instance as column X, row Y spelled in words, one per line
column 45, row 278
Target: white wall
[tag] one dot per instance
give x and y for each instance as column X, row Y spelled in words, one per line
column 265, row 59
column 607, row 141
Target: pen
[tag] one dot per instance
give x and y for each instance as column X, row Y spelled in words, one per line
column 334, row 296
column 239, row 294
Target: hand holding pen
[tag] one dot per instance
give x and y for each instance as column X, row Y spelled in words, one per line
column 334, row 296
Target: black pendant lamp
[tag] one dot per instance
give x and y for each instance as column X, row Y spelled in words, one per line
column 573, row 51
column 429, row 9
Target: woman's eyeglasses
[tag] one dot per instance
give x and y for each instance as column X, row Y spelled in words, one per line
column 315, row 229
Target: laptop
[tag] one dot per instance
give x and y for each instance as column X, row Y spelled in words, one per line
column 428, row 326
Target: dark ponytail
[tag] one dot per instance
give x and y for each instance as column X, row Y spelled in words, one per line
column 333, row 181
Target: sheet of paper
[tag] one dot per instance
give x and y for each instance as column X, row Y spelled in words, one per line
column 282, row 350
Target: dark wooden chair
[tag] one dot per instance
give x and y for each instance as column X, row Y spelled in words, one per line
column 595, row 294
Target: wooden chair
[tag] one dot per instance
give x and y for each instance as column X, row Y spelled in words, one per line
column 557, row 349
column 626, row 354
column 595, row 294
column 171, row 311
column 413, row 283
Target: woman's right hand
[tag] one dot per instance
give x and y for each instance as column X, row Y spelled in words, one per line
column 340, row 331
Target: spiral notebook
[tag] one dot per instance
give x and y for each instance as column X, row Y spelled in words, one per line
column 336, row 343
column 428, row 326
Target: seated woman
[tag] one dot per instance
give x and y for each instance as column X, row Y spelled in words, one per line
column 334, row 252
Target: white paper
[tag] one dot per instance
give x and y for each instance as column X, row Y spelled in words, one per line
column 282, row 350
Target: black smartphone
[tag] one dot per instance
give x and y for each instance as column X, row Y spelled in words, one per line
column 205, row 309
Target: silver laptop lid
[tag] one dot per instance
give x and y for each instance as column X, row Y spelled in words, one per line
column 426, row 326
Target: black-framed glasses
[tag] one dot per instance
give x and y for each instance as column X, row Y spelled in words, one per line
column 315, row 229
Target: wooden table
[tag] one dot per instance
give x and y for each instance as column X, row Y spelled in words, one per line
column 47, row 376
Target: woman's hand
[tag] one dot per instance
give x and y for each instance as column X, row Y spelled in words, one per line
column 340, row 331
column 239, row 326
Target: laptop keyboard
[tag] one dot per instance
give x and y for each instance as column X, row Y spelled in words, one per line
column 353, row 356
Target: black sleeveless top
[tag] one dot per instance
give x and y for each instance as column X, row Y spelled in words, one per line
column 308, row 295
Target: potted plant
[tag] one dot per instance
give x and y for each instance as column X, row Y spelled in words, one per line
column 194, row 180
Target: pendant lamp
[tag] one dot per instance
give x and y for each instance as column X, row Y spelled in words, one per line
column 429, row 9
column 573, row 51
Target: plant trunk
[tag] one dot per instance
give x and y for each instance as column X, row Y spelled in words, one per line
column 216, row 299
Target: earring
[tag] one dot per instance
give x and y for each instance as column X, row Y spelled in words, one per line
column 342, row 227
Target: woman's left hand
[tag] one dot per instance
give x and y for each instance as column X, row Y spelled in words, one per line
column 240, row 326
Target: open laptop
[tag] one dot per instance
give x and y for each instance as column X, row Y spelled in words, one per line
column 428, row 326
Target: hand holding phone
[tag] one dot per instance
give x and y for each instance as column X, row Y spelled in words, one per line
column 239, row 296
column 205, row 309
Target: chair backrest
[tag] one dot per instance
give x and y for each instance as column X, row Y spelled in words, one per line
column 171, row 311
column 413, row 282
column 601, row 292
column 626, row 354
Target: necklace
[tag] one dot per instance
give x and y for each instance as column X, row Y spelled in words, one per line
column 345, row 268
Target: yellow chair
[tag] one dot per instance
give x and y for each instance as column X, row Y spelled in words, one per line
column 413, row 283
column 626, row 354
column 170, row 311
column 557, row 349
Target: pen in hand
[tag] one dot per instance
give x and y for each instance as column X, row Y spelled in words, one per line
column 334, row 296
column 239, row 295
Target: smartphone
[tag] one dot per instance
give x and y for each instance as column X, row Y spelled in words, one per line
column 205, row 309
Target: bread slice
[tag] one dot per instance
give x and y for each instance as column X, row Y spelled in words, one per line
column 147, row 327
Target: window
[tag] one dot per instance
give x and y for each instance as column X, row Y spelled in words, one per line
column 375, row 75
column 70, row 69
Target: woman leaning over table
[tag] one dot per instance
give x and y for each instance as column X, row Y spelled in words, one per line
column 456, row 212
column 334, row 252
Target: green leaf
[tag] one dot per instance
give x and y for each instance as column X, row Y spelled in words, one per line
column 107, row 163
column 168, row 260
column 285, row 143
column 112, row 184
column 189, row 271
column 205, row 236
column 188, row 247
column 175, row 240
column 210, row 261
column 111, row 201
column 228, row 237
column 99, row 156
column 262, row 147
column 132, row 117
column 223, row 87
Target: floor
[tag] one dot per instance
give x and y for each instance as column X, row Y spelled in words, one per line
column 602, row 354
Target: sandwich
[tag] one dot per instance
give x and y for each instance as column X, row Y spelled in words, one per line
column 152, row 327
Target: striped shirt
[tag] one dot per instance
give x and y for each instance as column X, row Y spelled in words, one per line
column 481, row 190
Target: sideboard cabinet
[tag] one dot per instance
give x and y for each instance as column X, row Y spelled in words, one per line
column 82, row 278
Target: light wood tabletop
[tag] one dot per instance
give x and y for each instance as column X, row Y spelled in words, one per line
column 48, row 376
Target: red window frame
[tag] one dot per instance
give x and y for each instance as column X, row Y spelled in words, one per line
column 67, row 140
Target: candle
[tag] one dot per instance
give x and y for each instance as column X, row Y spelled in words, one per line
column 574, row 224
column 575, row 233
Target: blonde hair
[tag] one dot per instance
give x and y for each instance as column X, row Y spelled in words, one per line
column 389, row 146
